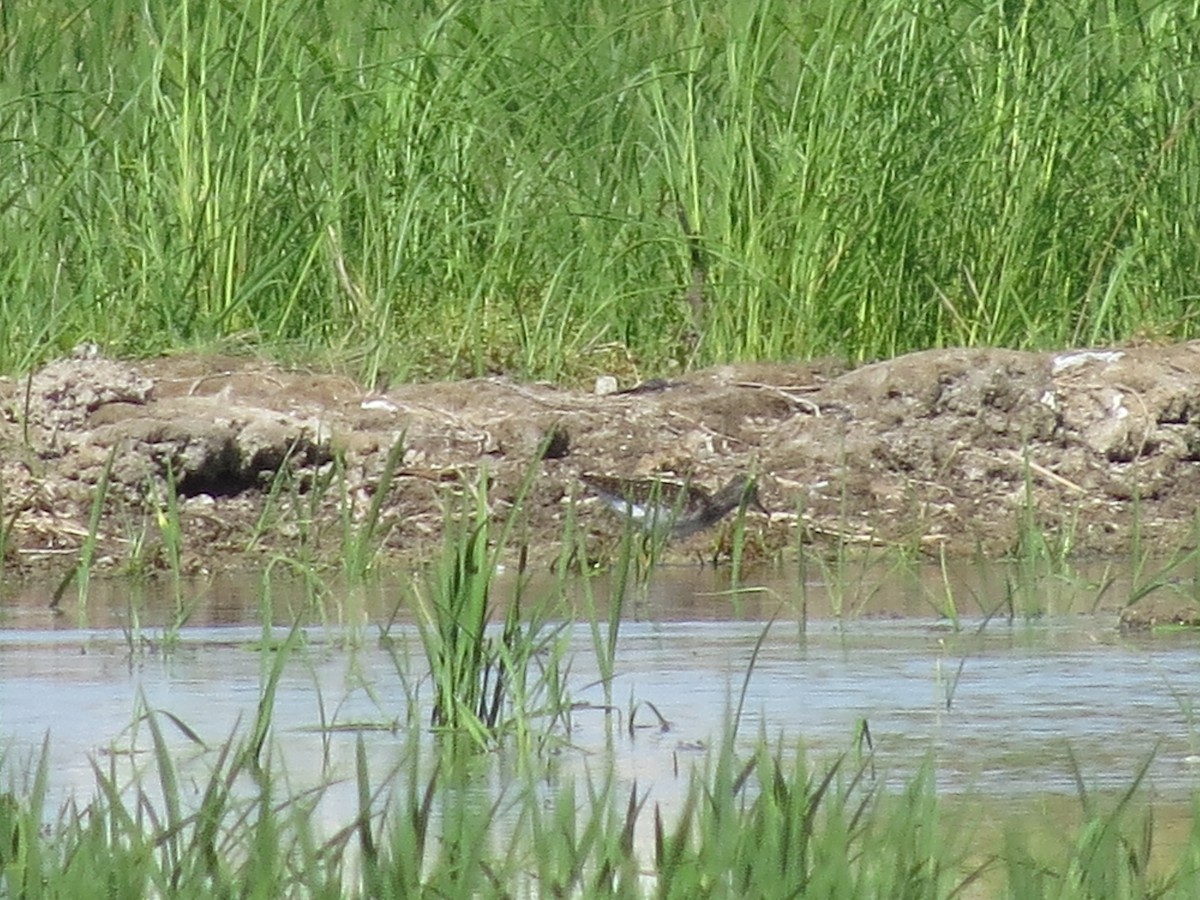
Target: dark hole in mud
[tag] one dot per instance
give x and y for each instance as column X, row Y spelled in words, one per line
column 557, row 444
column 225, row 473
column 227, row 485
column 221, row 474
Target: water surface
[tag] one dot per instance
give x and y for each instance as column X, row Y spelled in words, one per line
column 1010, row 709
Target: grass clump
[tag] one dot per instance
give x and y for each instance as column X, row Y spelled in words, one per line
column 560, row 187
column 760, row 823
column 774, row 827
column 487, row 684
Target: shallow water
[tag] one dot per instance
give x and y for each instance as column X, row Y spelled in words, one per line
column 1006, row 710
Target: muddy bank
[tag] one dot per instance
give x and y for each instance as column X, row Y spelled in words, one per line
column 943, row 451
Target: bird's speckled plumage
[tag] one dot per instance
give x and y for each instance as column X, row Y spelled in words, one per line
column 683, row 509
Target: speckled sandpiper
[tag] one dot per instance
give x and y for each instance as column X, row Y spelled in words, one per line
column 681, row 509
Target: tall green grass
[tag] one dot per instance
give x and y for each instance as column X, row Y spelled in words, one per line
column 491, row 683
column 454, row 187
column 767, row 823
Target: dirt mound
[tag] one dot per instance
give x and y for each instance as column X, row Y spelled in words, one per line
column 956, row 451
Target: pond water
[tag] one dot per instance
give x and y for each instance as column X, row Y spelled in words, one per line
column 1007, row 709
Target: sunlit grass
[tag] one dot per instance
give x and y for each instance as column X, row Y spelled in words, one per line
column 762, row 820
column 549, row 188
column 491, row 680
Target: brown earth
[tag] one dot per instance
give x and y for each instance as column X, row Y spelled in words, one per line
column 943, row 451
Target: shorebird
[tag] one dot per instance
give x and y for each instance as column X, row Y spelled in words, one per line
column 681, row 509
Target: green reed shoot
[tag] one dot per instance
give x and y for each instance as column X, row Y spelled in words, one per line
column 87, row 553
column 1166, row 576
column 282, row 479
column 453, row 618
column 23, row 855
column 1104, row 858
column 604, row 639
column 949, row 606
column 737, row 549
column 8, row 522
column 482, row 684
column 362, row 539
column 741, row 704
column 773, row 826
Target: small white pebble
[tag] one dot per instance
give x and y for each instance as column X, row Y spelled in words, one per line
column 605, row 385
column 378, row 401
